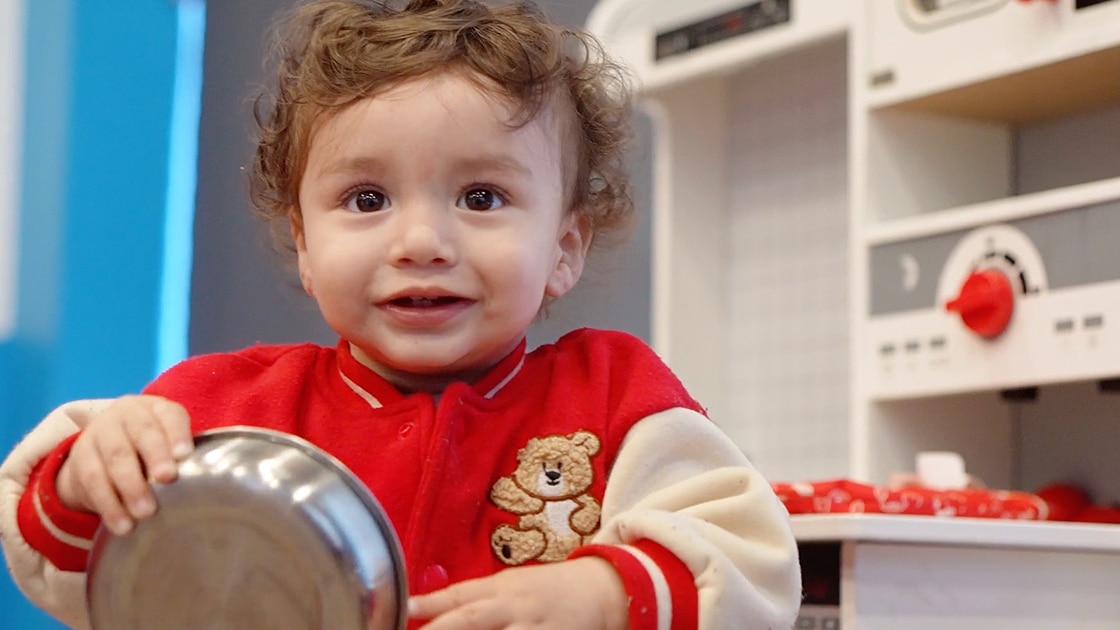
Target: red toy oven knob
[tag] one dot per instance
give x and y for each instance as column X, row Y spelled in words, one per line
column 985, row 303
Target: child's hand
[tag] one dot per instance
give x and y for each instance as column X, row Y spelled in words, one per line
column 105, row 471
column 585, row 593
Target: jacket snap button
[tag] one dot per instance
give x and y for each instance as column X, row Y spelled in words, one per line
column 405, row 429
column 433, row 578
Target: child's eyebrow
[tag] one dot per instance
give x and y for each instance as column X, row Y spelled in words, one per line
column 358, row 164
column 486, row 163
column 490, row 163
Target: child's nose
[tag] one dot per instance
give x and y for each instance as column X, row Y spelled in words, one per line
column 425, row 237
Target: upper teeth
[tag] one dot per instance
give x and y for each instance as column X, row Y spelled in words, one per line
column 421, row 301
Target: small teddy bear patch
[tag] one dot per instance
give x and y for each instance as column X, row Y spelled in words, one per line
column 548, row 491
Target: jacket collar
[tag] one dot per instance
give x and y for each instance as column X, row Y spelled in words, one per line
column 379, row 392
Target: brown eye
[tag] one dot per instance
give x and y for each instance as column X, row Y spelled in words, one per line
column 480, row 199
column 367, row 201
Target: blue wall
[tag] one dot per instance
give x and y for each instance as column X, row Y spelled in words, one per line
column 100, row 140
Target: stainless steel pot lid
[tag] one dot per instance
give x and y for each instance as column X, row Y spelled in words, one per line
column 261, row 530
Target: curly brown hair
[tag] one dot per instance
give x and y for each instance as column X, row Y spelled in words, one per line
column 332, row 53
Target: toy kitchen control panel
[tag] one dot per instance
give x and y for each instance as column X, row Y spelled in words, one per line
column 1003, row 305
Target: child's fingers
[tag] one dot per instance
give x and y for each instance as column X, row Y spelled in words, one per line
column 462, row 607
column 429, row 606
column 106, row 469
column 119, row 456
column 439, row 602
column 152, row 449
column 99, row 494
column 176, row 424
column 147, row 426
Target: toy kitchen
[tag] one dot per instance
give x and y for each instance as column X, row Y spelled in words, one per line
column 887, row 233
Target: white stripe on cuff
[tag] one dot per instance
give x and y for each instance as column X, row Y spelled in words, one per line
column 61, row 536
column 660, row 587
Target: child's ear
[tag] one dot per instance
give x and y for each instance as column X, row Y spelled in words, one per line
column 295, row 224
column 574, row 241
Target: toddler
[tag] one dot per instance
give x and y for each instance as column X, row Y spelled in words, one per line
column 443, row 167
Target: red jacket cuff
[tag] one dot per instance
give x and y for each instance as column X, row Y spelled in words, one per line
column 655, row 579
column 62, row 535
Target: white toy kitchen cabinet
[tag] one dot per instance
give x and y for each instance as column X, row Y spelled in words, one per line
column 886, row 227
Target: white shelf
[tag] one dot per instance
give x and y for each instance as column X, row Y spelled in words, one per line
column 1074, row 85
column 969, row 532
column 999, row 210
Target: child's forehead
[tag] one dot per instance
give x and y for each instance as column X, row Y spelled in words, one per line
column 446, row 116
column 439, row 83
column 449, row 90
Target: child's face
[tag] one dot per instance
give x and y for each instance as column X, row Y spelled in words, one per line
column 432, row 230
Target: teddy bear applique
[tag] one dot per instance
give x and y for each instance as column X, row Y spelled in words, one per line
column 548, row 491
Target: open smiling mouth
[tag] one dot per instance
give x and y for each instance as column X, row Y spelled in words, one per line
column 425, row 302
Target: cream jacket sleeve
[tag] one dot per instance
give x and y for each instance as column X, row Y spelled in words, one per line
column 681, row 483
column 59, row 593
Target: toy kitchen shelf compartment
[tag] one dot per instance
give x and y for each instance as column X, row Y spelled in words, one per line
column 971, row 101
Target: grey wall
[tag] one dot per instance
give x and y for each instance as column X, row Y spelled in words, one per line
column 243, row 292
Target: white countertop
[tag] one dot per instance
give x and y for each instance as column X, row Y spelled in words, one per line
column 956, row 531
